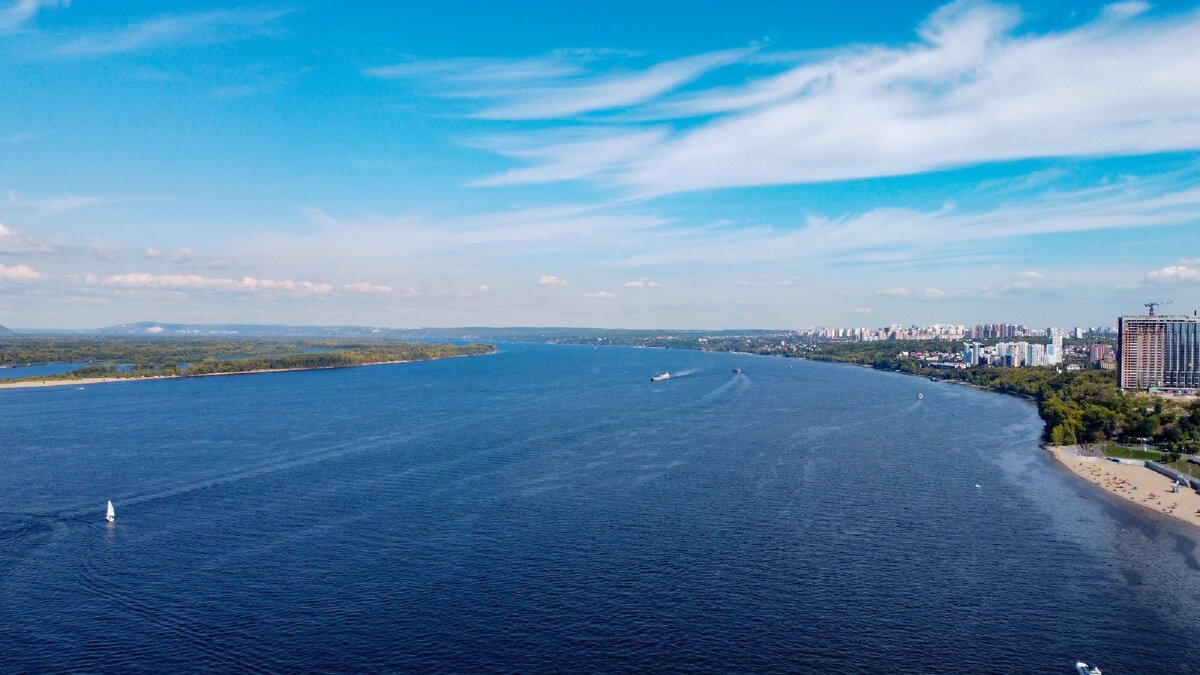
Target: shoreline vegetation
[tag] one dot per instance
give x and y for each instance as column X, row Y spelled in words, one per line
column 124, row 360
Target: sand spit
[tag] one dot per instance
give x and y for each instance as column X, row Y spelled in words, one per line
column 82, row 382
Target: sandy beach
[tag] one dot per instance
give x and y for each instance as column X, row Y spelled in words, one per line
column 105, row 380
column 78, row 383
column 1134, row 483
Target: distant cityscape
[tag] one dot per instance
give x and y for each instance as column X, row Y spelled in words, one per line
column 1149, row 352
column 952, row 331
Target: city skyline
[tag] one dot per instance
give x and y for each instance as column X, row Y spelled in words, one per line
column 702, row 166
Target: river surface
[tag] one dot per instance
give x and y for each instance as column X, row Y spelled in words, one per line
column 549, row 509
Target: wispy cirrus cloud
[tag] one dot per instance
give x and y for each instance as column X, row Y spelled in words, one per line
column 14, row 15
column 68, row 202
column 895, row 235
column 173, row 31
column 971, row 88
column 483, row 236
column 555, row 87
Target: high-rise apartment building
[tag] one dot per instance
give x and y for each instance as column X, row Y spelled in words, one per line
column 1158, row 351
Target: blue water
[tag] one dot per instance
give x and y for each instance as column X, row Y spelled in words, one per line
column 38, row 370
column 550, row 509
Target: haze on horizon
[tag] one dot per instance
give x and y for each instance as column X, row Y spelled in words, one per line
column 612, row 165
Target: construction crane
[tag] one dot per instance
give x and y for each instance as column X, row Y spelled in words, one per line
column 1152, row 305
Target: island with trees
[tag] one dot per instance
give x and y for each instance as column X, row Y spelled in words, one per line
column 109, row 359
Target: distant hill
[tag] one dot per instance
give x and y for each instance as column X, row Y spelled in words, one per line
column 4, row 330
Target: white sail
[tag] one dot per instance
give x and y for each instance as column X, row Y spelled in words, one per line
column 111, row 515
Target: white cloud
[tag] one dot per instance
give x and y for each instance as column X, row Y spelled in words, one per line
column 900, row 235
column 1029, row 276
column 863, row 311
column 1175, row 274
column 895, row 292
column 483, row 288
column 600, row 294
column 366, row 287
column 971, row 88
column 642, row 283
column 933, row 294
column 183, row 282
column 551, row 280
column 14, row 15
column 16, row 241
column 19, row 273
column 152, row 252
column 173, row 31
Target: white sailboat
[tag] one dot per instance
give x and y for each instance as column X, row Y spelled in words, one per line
column 111, row 515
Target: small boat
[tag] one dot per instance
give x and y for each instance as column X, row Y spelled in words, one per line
column 1084, row 669
column 977, row 486
column 920, row 397
column 660, row 377
column 111, row 515
column 737, row 370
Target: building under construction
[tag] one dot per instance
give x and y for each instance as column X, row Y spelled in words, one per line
column 1158, row 352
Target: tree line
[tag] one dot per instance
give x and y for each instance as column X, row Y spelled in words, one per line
column 125, row 358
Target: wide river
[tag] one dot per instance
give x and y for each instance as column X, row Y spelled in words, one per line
column 550, row 509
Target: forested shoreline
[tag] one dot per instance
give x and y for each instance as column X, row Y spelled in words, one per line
column 127, row 358
column 1083, row 406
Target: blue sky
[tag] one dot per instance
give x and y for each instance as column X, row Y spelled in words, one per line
column 668, row 164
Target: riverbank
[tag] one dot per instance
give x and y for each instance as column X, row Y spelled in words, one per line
column 1133, row 482
column 84, row 381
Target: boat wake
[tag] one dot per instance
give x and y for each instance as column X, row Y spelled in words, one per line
column 737, row 385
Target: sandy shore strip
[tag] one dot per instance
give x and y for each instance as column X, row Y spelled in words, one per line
column 83, row 382
column 1134, row 483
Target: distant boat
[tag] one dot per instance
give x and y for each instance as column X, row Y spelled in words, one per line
column 1085, row 669
column 111, row 515
column 920, row 397
column 737, row 370
column 660, row 377
column 977, row 486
